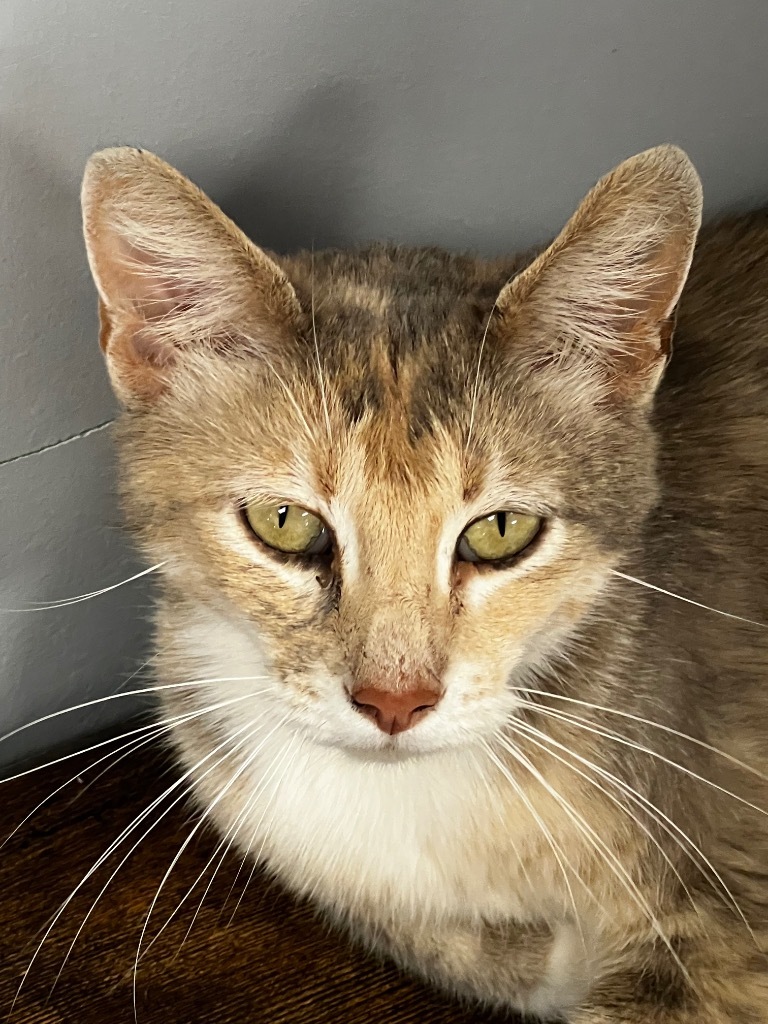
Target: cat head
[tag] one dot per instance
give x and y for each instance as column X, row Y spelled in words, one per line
column 388, row 484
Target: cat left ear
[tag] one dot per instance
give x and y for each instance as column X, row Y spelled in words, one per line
column 173, row 273
column 602, row 297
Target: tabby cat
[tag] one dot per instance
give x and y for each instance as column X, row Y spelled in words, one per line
column 473, row 579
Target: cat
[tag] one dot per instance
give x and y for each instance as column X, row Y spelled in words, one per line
column 442, row 547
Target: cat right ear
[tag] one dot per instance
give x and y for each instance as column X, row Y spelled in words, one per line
column 172, row 272
column 601, row 299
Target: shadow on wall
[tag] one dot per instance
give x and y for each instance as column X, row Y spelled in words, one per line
column 304, row 182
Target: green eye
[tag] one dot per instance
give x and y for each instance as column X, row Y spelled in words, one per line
column 497, row 537
column 288, row 528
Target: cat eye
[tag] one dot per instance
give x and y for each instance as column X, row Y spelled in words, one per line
column 497, row 537
column 288, row 528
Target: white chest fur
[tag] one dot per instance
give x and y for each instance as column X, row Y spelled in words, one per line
column 416, row 841
column 408, row 836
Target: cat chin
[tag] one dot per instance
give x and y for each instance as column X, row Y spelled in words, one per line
column 382, row 749
column 392, row 754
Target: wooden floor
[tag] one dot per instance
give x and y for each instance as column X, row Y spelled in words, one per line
column 270, row 961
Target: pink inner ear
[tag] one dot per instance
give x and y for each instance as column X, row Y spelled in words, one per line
column 659, row 279
column 609, row 312
column 155, row 291
column 149, row 348
column 155, row 296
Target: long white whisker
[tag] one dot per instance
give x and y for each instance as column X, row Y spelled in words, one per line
column 124, row 693
column 557, row 851
column 65, row 602
column 600, row 846
column 136, row 672
column 647, row 721
column 618, row 738
column 118, row 842
column 146, row 735
column 191, row 889
column 493, row 802
column 232, row 834
column 536, row 737
column 320, row 377
column 248, row 761
column 667, row 823
column 476, row 384
column 79, row 753
column 291, row 398
column 222, row 849
column 688, row 600
column 130, row 746
column 257, row 857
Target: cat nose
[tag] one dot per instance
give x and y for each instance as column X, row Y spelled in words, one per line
column 395, row 711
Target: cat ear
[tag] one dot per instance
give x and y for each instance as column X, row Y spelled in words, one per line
column 602, row 297
column 172, row 272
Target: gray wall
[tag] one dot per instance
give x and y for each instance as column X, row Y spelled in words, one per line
column 474, row 124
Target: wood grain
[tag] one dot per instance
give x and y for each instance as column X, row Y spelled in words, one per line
column 273, row 962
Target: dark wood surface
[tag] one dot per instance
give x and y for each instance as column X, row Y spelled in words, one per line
column 273, row 961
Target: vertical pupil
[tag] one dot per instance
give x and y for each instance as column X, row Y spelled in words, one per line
column 501, row 519
column 282, row 515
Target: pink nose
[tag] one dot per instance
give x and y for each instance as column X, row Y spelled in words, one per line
column 396, row 711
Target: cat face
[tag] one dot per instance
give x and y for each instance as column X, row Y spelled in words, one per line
column 385, row 401
column 391, row 605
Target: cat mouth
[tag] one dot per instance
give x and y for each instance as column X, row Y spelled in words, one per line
column 392, row 751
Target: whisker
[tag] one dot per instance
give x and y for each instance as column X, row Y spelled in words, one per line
column 535, row 736
column 493, row 802
column 222, row 848
column 477, row 375
column 557, row 850
column 131, row 745
column 125, row 693
column 256, row 859
column 65, row 602
column 233, row 832
column 290, row 396
column 645, row 721
column 320, row 377
column 116, row 843
column 180, row 904
column 618, row 738
column 146, row 735
column 78, row 753
column 663, row 820
column 609, row 857
column 136, row 672
column 203, row 817
column 688, row 600
column 286, row 765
